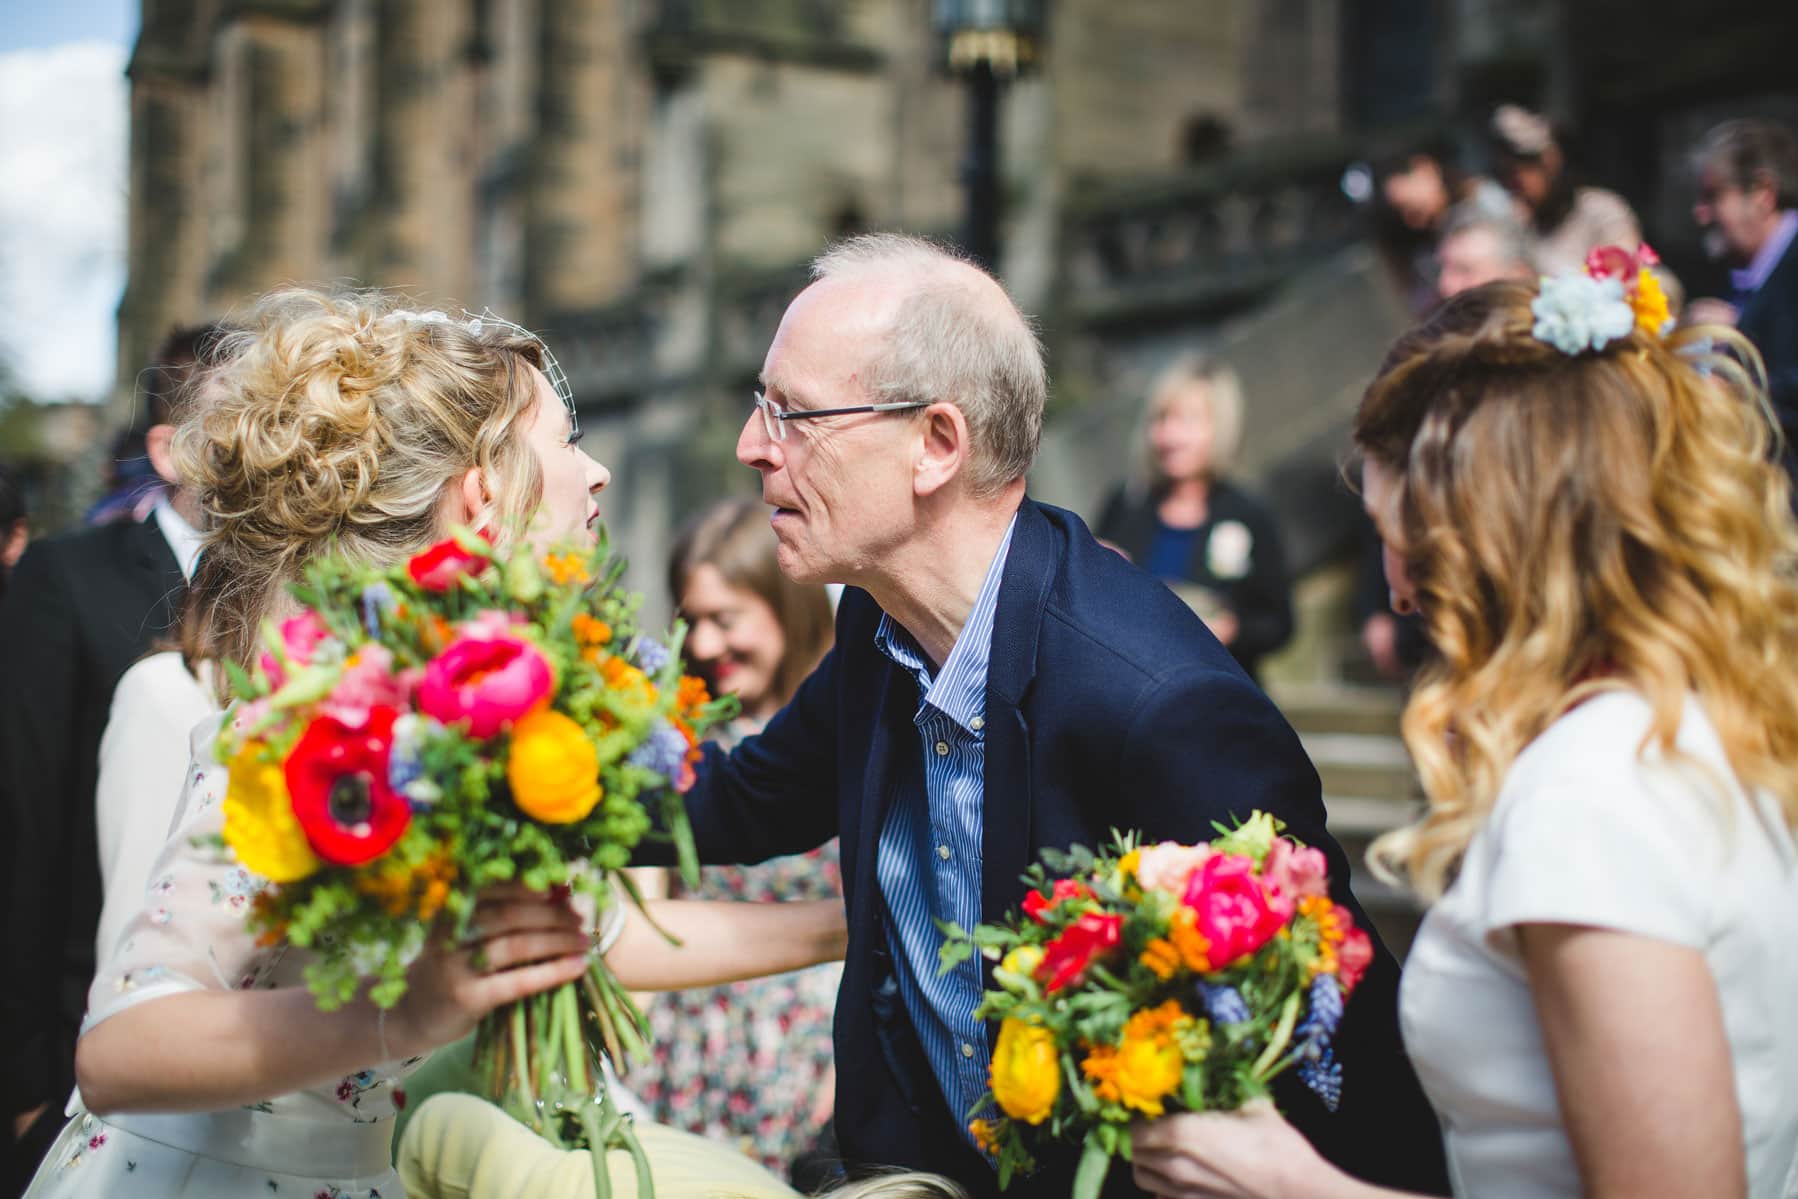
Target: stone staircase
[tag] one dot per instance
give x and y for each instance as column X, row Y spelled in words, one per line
column 1369, row 787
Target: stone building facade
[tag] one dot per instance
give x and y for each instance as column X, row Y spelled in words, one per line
column 644, row 180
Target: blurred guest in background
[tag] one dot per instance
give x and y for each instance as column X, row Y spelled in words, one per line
column 1748, row 208
column 15, row 528
column 1416, row 190
column 129, row 483
column 1566, row 220
column 1479, row 246
column 749, row 1063
column 1185, row 523
column 79, row 610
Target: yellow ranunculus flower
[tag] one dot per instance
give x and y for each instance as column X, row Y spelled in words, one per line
column 1026, row 1071
column 259, row 821
column 1014, row 973
column 553, row 770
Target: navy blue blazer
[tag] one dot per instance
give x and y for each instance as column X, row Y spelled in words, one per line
column 1108, row 705
column 1770, row 320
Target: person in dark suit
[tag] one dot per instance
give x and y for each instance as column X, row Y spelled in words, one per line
column 1748, row 208
column 79, row 610
column 1001, row 684
column 1211, row 540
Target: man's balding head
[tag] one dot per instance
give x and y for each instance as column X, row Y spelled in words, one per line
column 944, row 330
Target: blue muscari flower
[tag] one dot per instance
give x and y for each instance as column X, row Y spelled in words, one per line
column 663, row 752
column 1323, row 1075
column 405, row 765
column 377, row 599
column 1223, row 1003
column 1326, row 1007
column 651, row 655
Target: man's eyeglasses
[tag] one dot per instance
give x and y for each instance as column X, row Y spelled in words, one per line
column 775, row 418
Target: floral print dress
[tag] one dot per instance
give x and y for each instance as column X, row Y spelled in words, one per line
column 329, row 1142
column 750, row 1064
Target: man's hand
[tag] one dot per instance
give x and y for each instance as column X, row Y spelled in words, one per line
column 1708, row 310
column 21, row 1123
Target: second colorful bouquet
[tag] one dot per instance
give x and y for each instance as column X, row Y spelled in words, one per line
column 1158, row 978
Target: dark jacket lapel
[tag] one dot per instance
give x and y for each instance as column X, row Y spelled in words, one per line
column 1006, row 834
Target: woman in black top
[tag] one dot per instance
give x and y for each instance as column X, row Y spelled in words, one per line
column 1212, row 542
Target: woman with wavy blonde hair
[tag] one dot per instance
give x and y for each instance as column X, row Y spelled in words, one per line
column 339, row 424
column 1600, row 542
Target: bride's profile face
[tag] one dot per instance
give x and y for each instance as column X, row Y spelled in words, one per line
column 1378, row 490
column 571, row 478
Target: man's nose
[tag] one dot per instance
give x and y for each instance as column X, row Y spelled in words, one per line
column 755, row 449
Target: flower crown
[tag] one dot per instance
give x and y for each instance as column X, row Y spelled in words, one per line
column 1617, row 293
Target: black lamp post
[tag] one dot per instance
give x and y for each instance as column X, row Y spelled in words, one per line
column 986, row 42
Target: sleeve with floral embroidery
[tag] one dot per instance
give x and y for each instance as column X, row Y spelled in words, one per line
column 190, row 933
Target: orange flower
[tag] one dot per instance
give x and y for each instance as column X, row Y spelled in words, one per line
column 1146, row 1064
column 1332, row 928
column 553, row 769
column 692, row 694
column 622, row 676
column 985, row 1134
column 1195, row 950
column 1160, row 956
column 567, row 568
column 590, row 631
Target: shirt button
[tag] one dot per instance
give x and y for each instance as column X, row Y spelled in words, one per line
column 977, row 724
column 942, row 748
column 967, row 1050
column 942, row 851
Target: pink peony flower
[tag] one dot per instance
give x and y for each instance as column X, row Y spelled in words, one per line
column 1235, row 913
column 368, row 681
column 300, row 638
column 485, row 683
column 1615, row 262
column 1296, row 872
column 1166, row 867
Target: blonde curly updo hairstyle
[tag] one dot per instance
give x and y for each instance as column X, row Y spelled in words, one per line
column 1574, row 524
column 336, row 423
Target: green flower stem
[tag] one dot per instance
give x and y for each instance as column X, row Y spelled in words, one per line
column 521, row 1057
column 1264, row 1068
column 1089, row 1176
column 574, row 1051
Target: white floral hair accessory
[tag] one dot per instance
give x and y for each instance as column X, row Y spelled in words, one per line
column 1575, row 313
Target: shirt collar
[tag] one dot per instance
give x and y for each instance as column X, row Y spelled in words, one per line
column 1768, row 256
column 184, row 540
column 958, row 691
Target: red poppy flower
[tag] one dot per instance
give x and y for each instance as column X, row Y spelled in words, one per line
column 1035, row 905
column 337, row 779
column 438, row 568
column 1066, row 958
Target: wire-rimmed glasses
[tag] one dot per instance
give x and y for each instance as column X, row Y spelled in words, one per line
column 775, row 418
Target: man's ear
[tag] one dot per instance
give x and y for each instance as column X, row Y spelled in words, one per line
column 943, row 449
column 158, row 441
column 1763, row 191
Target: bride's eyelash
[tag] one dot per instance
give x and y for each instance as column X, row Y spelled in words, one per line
column 574, row 438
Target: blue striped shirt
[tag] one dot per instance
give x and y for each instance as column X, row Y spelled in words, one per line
column 929, row 857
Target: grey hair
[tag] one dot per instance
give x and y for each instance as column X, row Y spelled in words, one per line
column 946, row 341
column 1223, row 396
column 1747, row 149
column 1512, row 238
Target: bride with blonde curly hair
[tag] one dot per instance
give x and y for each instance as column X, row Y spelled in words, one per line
column 1601, row 545
column 337, row 423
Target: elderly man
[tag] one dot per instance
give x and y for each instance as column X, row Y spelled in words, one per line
column 1748, row 209
column 1001, row 684
column 1480, row 247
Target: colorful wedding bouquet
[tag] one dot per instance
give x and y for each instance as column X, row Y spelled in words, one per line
column 1156, row 978
column 418, row 733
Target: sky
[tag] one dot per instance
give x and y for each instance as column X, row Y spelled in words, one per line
column 63, row 137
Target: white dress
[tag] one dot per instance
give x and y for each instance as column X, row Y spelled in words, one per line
column 144, row 754
column 330, row 1142
column 1586, row 832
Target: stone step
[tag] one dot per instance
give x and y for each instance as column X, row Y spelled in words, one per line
column 1341, row 708
column 1362, row 764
